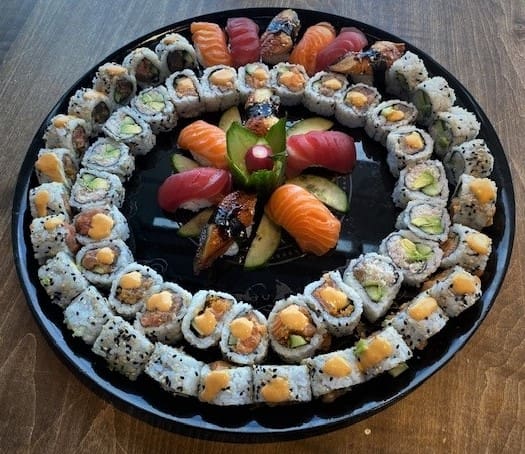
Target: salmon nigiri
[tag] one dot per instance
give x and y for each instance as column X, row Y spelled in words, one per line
column 315, row 39
column 304, row 217
column 206, row 142
column 210, row 44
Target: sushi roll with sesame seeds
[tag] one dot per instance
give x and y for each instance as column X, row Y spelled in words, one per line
column 404, row 75
column 91, row 105
column 224, row 384
column 276, row 384
column 116, row 82
column 219, row 88
column 184, row 89
column 252, row 77
column 86, row 315
column 101, row 223
column 353, row 104
column 108, row 155
column 427, row 219
column 61, row 279
column 59, row 165
column 49, row 199
column 322, row 92
column 387, row 116
column 67, row 131
column 156, row 108
column 174, row 370
column 50, row 235
column 94, row 188
column 418, row 320
column 289, row 82
column 175, row 54
column 125, row 349
column 161, row 317
column 473, row 158
column 377, row 280
column 145, row 65
column 432, row 96
column 339, row 304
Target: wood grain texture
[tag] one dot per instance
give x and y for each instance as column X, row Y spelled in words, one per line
column 475, row 404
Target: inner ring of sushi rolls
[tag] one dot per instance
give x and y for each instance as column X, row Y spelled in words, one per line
column 322, row 92
column 387, row 116
column 472, row 158
column 274, row 384
column 219, row 88
column 116, row 82
column 49, row 199
column 91, row 105
column 417, row 258
column 427, row 219
column 432, row 96
column 99, row 223
column 184, row 89
column 244, row 337
column 67, row 131
column 251, row 77
column 50, row 235
column 404, row 75
column 175, row 54
column 354, row 103
column 296, row 331
column 101, row 261
column 163, row 311
column 108, row 155
column 339, row 304
column 407, row 145
column 204, row 321
column 131, row 288
column 155, row 107
column 145, row 65
column 93, row 188
column 289, row 82
column 377, row 279
column 223, row 384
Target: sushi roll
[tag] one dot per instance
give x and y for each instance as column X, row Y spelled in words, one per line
column 86, row 314
column 244, row 337
column 116, row 82
column 93, row 188
column 313, row 41
column 322, row 92
column 415, row 257
column 418, row 320
column 274, row 384
column 59, row 165
column 100, row 223
column 424, row 180
column 110, row 156
column 377, row 280
column 184, row 90
column 161, row 317
column 472, row 158
column 49, row 199
column 225, row 385
column 251, row 77
column 100, row 262
column 175, row 54
column 332, row 374
column 61, row 279
column 455, row 290
column 219, row 88
column 131, row 288
column 296, row 331
column 467, row 248
column 381, row 352
column 279, row 38
column 50, row 235
column 432, row 96
column 262, row 108
column 67, row 131
column 353, row 104
column 407, row 145
column 339, row 305
column 125, row 349
column 474, row 202
column 145, row 65
column 243, row 40
column 174, row 370
column 289, row 82
column 427, row 219
column 405, row 74
column 210, row 43
column 125, row 125
column 451, row 128
column 91, row 105
column 204, row 321
column 387, row 116
column 155, row 107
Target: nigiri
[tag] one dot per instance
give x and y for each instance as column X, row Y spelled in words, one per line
column 194, row 189
column 315, row 39
column 280, row 35
column 210, row 44
column 349, row 39
column 333, row 150
column 206, row 142
column 243, row 34
column 304, row 217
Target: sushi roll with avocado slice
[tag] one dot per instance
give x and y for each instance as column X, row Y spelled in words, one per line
column 224, row 384
column 184, row 89
column 116, row 82
column 353, row 104
column 427, row 219
column 322, row 92
column 93, row 106
column 50, row 235
column 219, row 88
column 281, row 384
column 404, row 75
column 175, row 54
column 49, row 199
column 432, row 96
column 155, row 107
column 100, row 223
column 389, row 115
column 472, row 158
column 110, row 156
column 67, row 131
column 93, row 188
column 145, row 65
column 289, row 82
column 251, row 77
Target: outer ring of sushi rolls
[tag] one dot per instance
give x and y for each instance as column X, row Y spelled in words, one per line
column 281, row 384
column 472, row 158
column 91, row 105
column 145, row 65
column 404, row 75
column 432, row 96
column 67, row 131
column 49, row 199
column 175, row 54
column 104, row 222
column 111, row 77
column 226, row 385
column 50, row 235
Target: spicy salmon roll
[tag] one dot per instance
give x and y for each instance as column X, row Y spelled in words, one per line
column 100, row 223
column 50, row 235
column 224, row 384
column 277, row 384
column 252, row 76
column 219, row 88
column 175, row 54
column 184, row 89
column 405, row 74
column 354, row 103
column 116, row 82
column 432, row 96
column 93, row 188
column 289, row 82
column 91, row 105
column 67, row 131
column 427, row 219
column 108, row 155
column 145, row 65
column 472, row 158
column 156, row 108
column 322, row 91
column 49, row 199
column 387, row 116
column 59, row 165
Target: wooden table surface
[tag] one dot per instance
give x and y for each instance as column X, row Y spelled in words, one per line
column 475, row 404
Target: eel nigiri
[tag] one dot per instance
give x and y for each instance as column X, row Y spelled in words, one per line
column 206, row 143
column 194, row 189
column 304, row 217
column 245, row 46
column 210, row 44
column 280, row 35
column 350, row 39
column 333, row 150
column 314, row 40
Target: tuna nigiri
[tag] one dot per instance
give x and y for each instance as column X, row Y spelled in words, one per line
column 194, row 189
column 333, row 150
column 206, row 142
column 305, row 218
column 314, row 40
column 243, row 34
column 280, row 35
column 350, row 39
column 210, row 44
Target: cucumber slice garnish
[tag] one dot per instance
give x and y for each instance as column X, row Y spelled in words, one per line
column 325, row 190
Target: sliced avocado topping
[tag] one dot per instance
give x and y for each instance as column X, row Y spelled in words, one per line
column 374, row 291
column 129, row 127
column 416, row 252
column 110, row 152
column 423, row 105
column 360, row 347
column 423, row 180
column 153, row 100
column 429, row 224
column 93, row 183
column 295, row 341
column 432, row 189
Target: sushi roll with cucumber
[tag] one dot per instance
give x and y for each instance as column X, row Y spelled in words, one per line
column 108, row 155
column 377, row 280
column 116, row 82
column 281, row 384
column 101, row 223
column 184, row 89
column 59, row 165
column 354, row 103
column 50, row 235
column 94, row 188
column 224, row 384
column 322, row 92
column 405, row 74
column 339, row 305
column 49, row 199
column 417, row 258
column 219, row 88
column 156, row 108
column 161, row 317
column 91, row 105
column 145, row 65
column 175, row 54
column 387, row 116
column 472, row 158
column 432, row 96
column 67, row 131
column 427, row 219
column 289, row 82
column 251, row 77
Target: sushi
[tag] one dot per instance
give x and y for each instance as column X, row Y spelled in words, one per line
column 219, row 88
column 91, row 105
column 349, row 39
column 224, row 384
column 210, row 44
column 67, row 131
column 93, row 188
column 389, row 115
column 314, row 40
column 59, row 165
column 155, row 107
column 432, row 96
column 251, row 77
column 50, row 235
column 472, row 158
column 49, row 199
column 108, row 155
column 175, row 54
column 145, row 65
column 322, row 92
column 116, row 82
column 353, row 104
column 100, row 223
column 427, row 219
column 184, row 89
column 243, row 34
column 404, row 75
column 278, row 39
column 289, row 82
column 262, row 108
column 277, row 384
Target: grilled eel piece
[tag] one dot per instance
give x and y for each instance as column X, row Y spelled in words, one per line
column 278, row 40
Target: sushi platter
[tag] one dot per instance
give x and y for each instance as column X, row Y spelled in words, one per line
column 266, row 222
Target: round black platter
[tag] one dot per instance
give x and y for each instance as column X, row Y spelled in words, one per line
column 155, row 243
